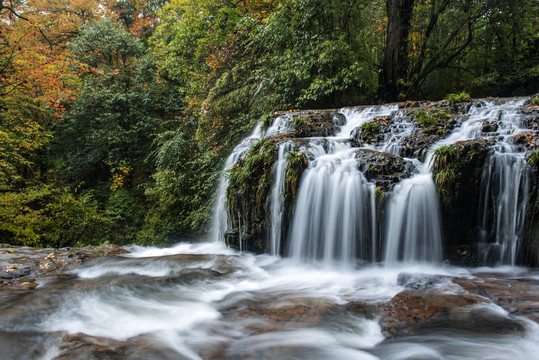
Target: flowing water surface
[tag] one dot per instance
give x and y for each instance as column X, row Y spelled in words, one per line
column 207, row 301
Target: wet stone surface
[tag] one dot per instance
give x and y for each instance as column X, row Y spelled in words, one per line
column 482, row 304
column 25, row 268
column 384, row 169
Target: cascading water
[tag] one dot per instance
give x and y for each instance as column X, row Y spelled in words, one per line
column 335, row 216
column 414, row 229
column 333, row 219
column 207, row 301
column 220, row 218
column 504, row 202
column 277, row 198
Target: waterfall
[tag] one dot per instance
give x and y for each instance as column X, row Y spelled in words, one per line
column 413, row 230
column 504, row 199
column 276, row 209
column 333, row 219
column 220, row 218
column 335, row 222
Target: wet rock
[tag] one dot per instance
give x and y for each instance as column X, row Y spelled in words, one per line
column 530, row 249
column 531, row 114
column 529, row 140
column 421, row 281
column 312, row 123
column 489, row 126
column 248, row 189
column 414, row 312
column 518, row 296
column 384, row 169
column 263, row 314
column 365, row 310
column 83, row 347
column 23, row 267
column 457, row 172
column 372, row 133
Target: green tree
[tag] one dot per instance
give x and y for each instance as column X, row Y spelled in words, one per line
column 111, row 126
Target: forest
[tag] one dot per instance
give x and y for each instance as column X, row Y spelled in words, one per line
column 116, row 115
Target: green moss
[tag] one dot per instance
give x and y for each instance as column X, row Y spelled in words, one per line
column 248, row 188
column 380, row 196
column 432, row 121
column 300, row 124
column 297, row 163
column 533, row 159
column 266, row 121
column 456, row 165
column 369, row 130
column 458, row 98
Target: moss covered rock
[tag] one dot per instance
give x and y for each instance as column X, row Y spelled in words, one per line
column 457, row 172
column 247, row 194
column 312, row 123
column 383, row 169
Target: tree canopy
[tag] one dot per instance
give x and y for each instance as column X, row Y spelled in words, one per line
column 116, row 115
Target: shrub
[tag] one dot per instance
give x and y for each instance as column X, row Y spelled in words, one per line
column 458, row 98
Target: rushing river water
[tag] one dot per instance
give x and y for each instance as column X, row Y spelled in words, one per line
column 206, row 301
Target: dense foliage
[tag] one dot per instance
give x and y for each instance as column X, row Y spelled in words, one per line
column 115, row 116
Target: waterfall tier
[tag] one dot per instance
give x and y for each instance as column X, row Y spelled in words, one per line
column 395, row 183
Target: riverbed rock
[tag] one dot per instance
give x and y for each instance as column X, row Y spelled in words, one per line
column 82, row 347
column 518, row 296
column 413, row 312
column 24, row 267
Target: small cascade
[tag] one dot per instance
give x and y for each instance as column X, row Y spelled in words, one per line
column 413, row 228
column 504, row 200
column 277, row 191
column 356, row 117
column 220, row 218
column 334, row 216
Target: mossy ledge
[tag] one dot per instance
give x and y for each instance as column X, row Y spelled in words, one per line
column 457, row 171
column 247, row 193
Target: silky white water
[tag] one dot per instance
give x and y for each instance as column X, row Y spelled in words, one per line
column 335, row 218
column 191, row 301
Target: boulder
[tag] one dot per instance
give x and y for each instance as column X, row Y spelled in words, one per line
column 384, row 169
column 413, row 312
column 309, row 123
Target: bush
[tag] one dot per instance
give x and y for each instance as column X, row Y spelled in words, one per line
column 458, row 98
column 42, row 216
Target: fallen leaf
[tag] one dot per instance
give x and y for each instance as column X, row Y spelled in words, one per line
column 50, row 256
column 11, row 268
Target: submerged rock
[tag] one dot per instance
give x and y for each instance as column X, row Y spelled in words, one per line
column 82, row 346
column 517, row 296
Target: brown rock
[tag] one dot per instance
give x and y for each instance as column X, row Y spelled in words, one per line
column 415, row 312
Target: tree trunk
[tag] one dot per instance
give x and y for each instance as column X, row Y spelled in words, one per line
column 395, row 66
